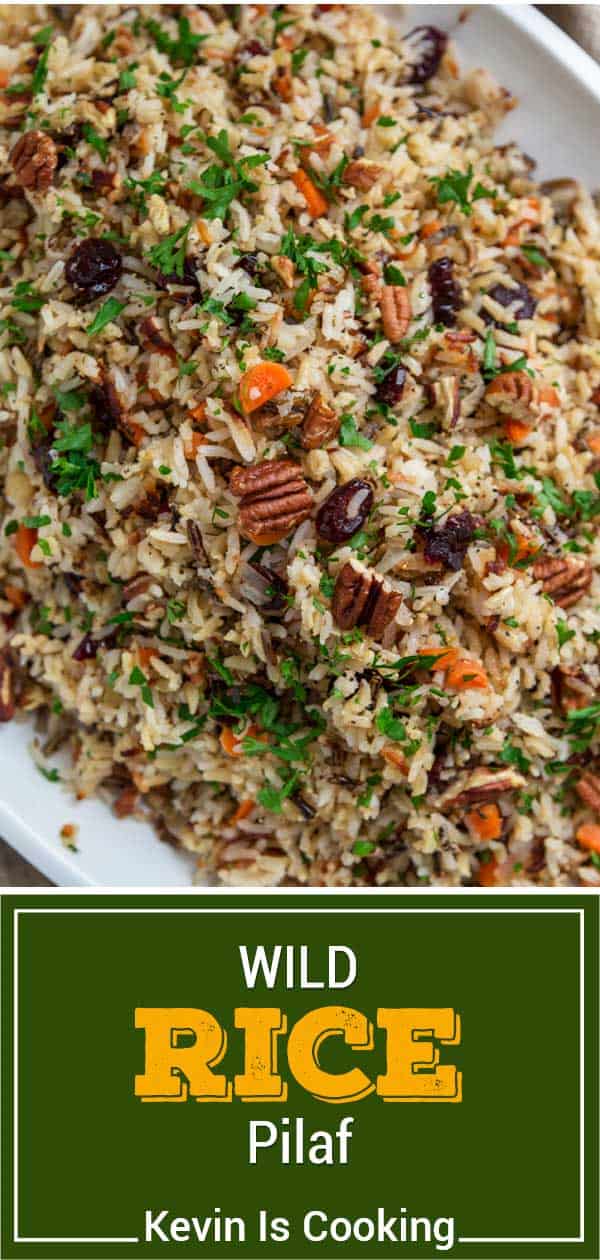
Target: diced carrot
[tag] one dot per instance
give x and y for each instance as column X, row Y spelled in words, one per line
column 192, row 444
column 282, row 84
column 484, row 822
column 515, row 430
column 445, row 656
column 594, row 442
column 4, row 78
column 525, row 547
column 323, row 138
column 203, row 232
column 486, row 875
column 24, row 542
column 316, row 204
column 244, row 808
column 547, row 394
column 429, row 229
column 136, row 432
column 232, row 744
column 465, row 675
column 145, row 654
column 199, row 412
column 261, row 383
column 588, row 836
column 15, row 595
column 229, row 743
column 371, row 114
column 395, row 757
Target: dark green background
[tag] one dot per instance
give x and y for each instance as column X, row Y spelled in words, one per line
column 504, row 1162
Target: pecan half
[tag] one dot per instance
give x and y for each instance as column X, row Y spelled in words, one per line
column 515, row 394
column 360, row 598
column 7, row 697
column 362, row 174
column 512, row 392
column 570, row 689
column 321, row 424
column 275, row 499
column 350, row 596
column 588, row 788
column 33, row 160
column 482, row 784
column 372, row 283
column 565, row 579
column 396, row 312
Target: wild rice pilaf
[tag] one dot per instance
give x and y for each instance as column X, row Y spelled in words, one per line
column 300, row 389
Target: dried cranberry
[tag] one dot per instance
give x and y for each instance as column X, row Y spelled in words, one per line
column 389, row 391
column 344, row 511
column 249, row 263
column 445, row 292
column 94, row 268
column 448, row 544
column 253, row 48
column 429, row 46
column 87, row 649
column 504, row 296
column 106, row 407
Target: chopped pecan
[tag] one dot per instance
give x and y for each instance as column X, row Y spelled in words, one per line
column 570, row 689
column 372, row 283
column 482, row 784
column 151, row 332
column 362, row 174
column 588, row 788
column 7, row 697
column 285, row 269
column 396, row 312
column 280, row 414
column 564, row 578
column 275, row 499
column 33, row 160
column 381, row 612
column 126, row 802
column 361, row 598
column 321, row 424
column 153, row 501
column 350, row 596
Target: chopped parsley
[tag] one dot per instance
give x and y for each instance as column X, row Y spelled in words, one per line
column 220, row 185
column 96, row 141
column 169, row 256
column 455, row 186
column 350, row 436
column 183, row 49
column 107, row 313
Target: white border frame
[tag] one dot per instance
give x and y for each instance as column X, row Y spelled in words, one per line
column 43, row 848
column 208, row 910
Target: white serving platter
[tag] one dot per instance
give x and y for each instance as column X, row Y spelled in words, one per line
column 557, row 122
